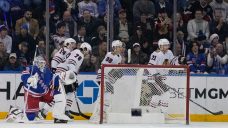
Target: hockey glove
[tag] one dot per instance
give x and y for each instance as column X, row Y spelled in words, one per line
column 33, row 80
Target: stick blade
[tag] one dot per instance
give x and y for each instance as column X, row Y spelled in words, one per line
column 218, row 113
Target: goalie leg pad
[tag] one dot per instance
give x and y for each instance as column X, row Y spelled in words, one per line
column 59, row 107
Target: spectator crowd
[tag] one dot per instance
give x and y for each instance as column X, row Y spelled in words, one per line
column 201, row 31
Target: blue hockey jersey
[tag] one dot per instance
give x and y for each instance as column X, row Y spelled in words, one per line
column 43, row 84
column 196, row 62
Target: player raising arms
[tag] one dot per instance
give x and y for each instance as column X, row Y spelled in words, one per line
column 72, row 62
column 60, row 56
column 113, row 57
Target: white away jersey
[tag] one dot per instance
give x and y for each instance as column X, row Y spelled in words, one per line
column 111, row 59
column 160, row 58
column 59, row 57
column 73, row 62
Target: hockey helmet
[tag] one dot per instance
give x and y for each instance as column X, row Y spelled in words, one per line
column 117, row 43
column 40, row 62
column 86, row 46
column 68, row 77
column 69, row 42
column 163, row 42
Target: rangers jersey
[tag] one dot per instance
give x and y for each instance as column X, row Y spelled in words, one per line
column 161, row 58
column 44, row 81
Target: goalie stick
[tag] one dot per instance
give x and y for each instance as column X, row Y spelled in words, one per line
column 27, row 93
column 213, row 113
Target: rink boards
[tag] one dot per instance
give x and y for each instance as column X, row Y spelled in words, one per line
column 209, row 91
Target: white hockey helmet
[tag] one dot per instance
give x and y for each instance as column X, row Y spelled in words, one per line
column 68, row 77
column 40, row 62
column 163, row 42
column 69, row 42
column 117, row 43
column 86, row 46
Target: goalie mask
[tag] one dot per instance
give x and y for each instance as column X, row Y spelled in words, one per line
column 163, row 44
column 68, row 77
column 70, row 43
column 85, row 48
column 40, row 63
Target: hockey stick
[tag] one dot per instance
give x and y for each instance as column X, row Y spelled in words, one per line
column 213, row 113
column 27, row 93
column 79, row 113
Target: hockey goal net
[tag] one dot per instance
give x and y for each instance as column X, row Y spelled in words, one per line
column 144, row 94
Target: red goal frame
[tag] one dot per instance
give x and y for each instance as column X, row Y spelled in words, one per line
column 145, row 66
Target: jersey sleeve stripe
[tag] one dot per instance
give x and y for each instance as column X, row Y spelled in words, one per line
column 73, row 61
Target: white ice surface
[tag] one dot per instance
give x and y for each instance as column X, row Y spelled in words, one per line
column 85, row 124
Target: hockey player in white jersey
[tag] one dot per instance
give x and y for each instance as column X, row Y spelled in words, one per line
column 69, row 44
column 163, row 56
column 59, row 57
column 72, row 62
column 113, row 57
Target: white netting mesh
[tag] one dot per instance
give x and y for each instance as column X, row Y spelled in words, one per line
column 153, row 90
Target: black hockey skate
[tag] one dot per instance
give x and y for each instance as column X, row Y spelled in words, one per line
column 60, row 121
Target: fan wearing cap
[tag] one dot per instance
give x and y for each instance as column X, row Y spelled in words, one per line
column 214, row 39
column 164, row 56
column 13, row 64
column 137, row 56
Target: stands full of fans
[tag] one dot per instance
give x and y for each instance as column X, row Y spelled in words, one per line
column 202, row 30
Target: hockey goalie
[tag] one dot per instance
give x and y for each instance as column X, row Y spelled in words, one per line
column 36, row 80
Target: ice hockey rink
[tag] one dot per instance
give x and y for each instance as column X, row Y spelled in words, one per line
column 85, row 124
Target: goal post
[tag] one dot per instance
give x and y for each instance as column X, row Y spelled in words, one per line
column 144, row 94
